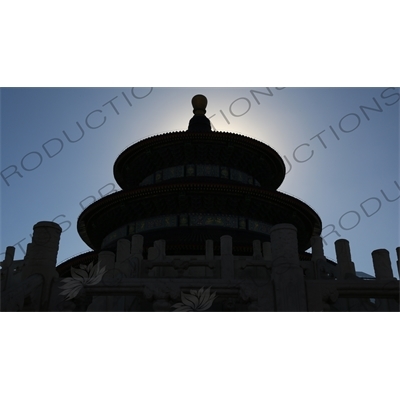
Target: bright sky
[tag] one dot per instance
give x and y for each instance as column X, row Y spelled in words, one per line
column 340, row 146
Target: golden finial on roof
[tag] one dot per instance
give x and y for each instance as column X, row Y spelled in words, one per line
column 199, row 103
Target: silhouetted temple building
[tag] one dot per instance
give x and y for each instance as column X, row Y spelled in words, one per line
column 198, row 225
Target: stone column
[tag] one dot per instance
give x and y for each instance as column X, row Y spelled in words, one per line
column 123, row 257
column 318, row 258
column 345, row 265
column 137, row 254
column 157, row 252
column 104, row 303
column 382, row 264
column 161, row 246
column 287, row 274
column 227, row 264
column 41, row 256
column 317, row 248
column 7, row 268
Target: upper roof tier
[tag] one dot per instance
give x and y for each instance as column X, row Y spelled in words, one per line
column 223, row 152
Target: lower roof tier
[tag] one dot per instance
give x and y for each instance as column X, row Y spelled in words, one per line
column 177, row 207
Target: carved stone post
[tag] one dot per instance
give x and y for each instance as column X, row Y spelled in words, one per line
column 287, row 274
column 41, row 256
column 123, row 262
column 157, row 252
column 345, row 265
column 382, row 264
column 227, row 264
column 318, row 258
column 137, row 254
column 317, row 248
column 7, row 269
column 105, row 303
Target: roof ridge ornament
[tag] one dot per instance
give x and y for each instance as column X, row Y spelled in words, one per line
column 199, row 122
column 199, row 103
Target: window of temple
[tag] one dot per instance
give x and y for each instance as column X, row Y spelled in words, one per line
column 187, row 220
column 206, row 170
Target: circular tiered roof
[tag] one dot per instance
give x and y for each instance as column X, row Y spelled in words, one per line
column 187, row 187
